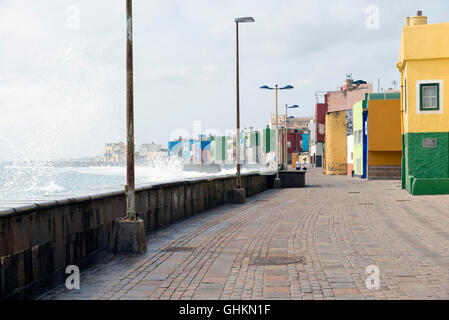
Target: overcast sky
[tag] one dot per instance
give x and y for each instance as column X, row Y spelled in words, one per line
column 62, row 64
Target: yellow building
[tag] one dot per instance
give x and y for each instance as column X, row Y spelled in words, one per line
column 424, row 67
column 335, row 144
column 114, row 152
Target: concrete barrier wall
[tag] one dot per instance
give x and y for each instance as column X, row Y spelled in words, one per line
column 38, row 239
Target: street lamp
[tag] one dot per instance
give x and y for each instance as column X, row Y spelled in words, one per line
column 130, row 235
column 130, row 171
column 285, row 162
column 277, row 181
column 239, row 193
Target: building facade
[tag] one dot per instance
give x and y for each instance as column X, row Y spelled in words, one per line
column 424, row 67
column 359, row 128
column 317, row 146
column 114, row 152
column 337, row 147
column 255, row 147
column 350, row 93
column 384, row 136
column 349, row 143
column 335, row 144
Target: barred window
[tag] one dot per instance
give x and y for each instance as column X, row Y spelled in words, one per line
column 430, row 96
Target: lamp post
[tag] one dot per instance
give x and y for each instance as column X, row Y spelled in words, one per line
column 131, row 236
column 277, row 181
column 130, row 172
column 286, row 134
column 239, row 194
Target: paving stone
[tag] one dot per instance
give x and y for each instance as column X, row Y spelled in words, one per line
column 325, row 225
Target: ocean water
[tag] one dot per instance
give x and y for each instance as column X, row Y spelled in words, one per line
column 42, row 181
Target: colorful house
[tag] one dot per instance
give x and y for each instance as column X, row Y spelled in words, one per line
column 317, row 146
column 360, row 146
column 349, row 143
column 269, row 146
column 335, row 142
column 298, row 141
column 336, row 153
column 305, row 142
column 384, row 136
column 254, row 147
column 205, row 150
column 218, row 150
column 222, row 149
column 175, row 149
column 424, row 67
column 377, row 136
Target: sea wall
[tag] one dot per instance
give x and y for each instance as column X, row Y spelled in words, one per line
column 40, row 238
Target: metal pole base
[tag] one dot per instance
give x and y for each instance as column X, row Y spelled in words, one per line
column 131, row 237
column 238, row 196
column 277, row 183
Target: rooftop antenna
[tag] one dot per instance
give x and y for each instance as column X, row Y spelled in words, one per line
column 395, row 84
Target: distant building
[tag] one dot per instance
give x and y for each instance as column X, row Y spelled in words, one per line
column 293, row 123
column 318, row 130
column 360, row 118
column 149, row 152
column 349, row 143
column 256, row 146
column 336, row 143
column 351, row 92
column 114, row 152
column 145, row 148
column 338, row 146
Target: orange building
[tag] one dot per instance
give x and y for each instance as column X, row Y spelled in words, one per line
column 384, row 136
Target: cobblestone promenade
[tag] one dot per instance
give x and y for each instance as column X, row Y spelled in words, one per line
column 311, row 243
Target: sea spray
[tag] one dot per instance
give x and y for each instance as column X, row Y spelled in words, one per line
column 44, row 180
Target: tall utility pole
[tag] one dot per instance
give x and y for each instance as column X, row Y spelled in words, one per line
column 239, row 177
column 285, row 140
column 130, row 171
column 238, row 135
column 277, row 135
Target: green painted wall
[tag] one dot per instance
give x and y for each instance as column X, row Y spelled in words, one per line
column 426, row 169
column 384, row 96
column 220, row 148
column 358, row 126
column 403, row 168
column 430, row 186
column 266, row 141
column 269, row 140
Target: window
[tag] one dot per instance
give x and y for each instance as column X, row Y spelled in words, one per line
column 359, row 137
column 430, row 93
column 429, row 96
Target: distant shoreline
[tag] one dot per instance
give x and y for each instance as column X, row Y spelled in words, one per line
column 71, row 163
